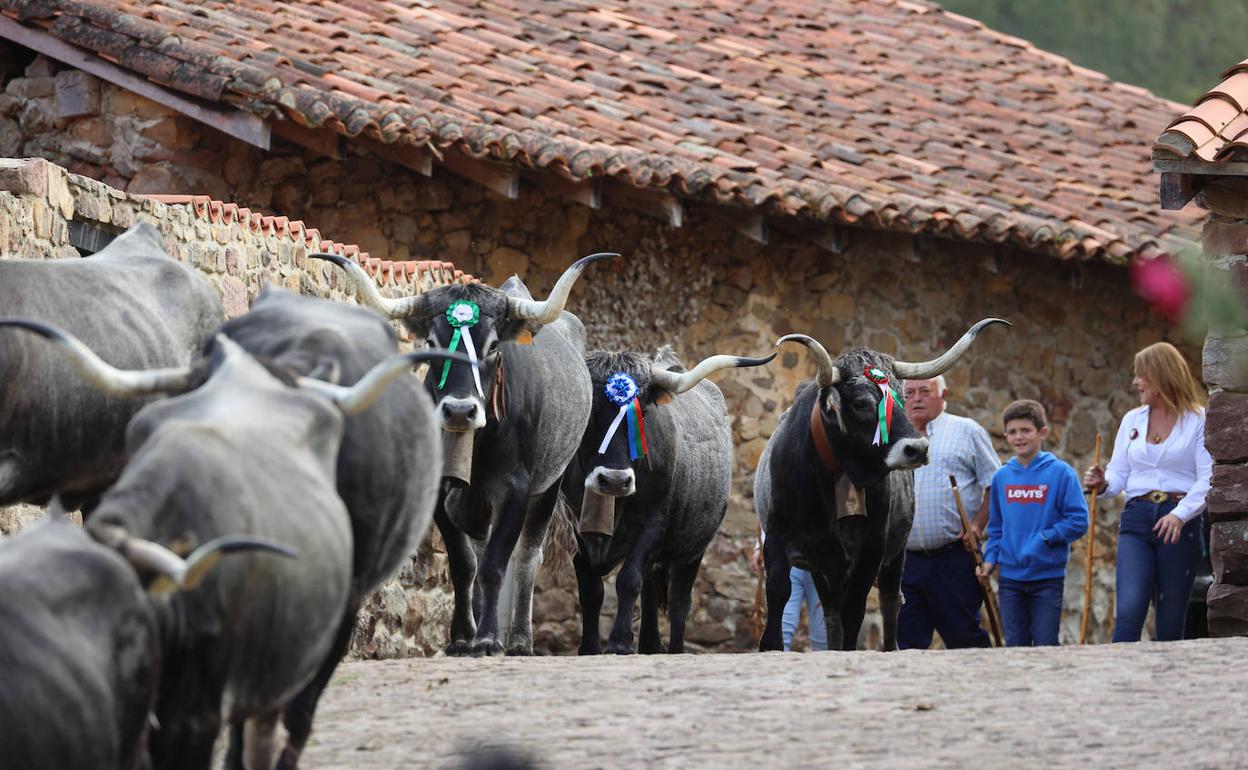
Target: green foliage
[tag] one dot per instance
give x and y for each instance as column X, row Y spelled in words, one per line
column 1175, row 48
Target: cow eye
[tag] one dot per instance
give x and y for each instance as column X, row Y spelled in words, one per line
column 863, row 404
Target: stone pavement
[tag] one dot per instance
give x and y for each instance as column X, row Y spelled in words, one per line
column 1151, row 705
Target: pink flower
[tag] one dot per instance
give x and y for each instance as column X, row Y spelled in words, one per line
column 1161, row 283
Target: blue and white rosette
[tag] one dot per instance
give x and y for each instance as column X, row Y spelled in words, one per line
column 622, row 390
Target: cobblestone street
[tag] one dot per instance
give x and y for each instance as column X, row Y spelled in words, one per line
column 1146, row 705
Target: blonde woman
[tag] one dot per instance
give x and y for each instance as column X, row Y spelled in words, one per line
column 1161, row 464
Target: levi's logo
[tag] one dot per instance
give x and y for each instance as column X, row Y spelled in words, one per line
column 1026, row 493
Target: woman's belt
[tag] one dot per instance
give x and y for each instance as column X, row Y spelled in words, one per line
column 1159, row 497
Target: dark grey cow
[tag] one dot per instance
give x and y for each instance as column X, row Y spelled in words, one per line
column 649, row 486
column 242, row 453
column 831, row 437
column 509, row 430
column 132, row 302
column 390, row 462
column 82, row 642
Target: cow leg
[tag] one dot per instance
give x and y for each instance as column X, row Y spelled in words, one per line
column 653, row 594
column 462, row 563
column 298, row 714
column 862, row 574
column 889, row 583
column 628, row 586
column 830, row 574
column 776, row 563
column 260, row 740
column 681, row 599
column 526, row 561
column 498, row 552
column 589, row 587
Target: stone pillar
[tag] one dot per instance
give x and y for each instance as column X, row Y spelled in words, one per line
column 1225, row 368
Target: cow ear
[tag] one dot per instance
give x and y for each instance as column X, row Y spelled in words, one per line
column 518, row 331
column 662, row 396
column 524, row 337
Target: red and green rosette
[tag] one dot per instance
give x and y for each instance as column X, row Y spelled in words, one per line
column 889, row 400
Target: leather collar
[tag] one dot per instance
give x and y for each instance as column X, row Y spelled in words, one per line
column 819, row 435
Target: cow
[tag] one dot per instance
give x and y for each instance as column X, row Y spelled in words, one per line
column 509, row 430
column 390, row 462
column 239, row 450
column 649, row 486
column 132, row 302
column 82, row 640
column 846, row 427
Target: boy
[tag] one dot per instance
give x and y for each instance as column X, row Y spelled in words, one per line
column 1036, row 509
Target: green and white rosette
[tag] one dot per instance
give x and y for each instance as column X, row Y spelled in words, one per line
column 463, row 314
column 889, row 400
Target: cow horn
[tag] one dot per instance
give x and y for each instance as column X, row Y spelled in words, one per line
column 363, row 394
column 174, row 572
column 548, row 310
column 827, row 374
column 113, row 381
column 679, row 382
column 938, row 366
column 366, row 289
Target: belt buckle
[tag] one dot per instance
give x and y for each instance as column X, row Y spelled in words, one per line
column 1158, row 497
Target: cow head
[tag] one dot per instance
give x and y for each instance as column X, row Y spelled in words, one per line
column 469, row 317
column 628, row 422
column 867, row 436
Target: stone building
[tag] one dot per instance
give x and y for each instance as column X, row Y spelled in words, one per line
column 1201, row 157
column 870, row 172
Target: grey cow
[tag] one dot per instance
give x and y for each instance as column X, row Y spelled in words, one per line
column 649, row 487
column 82, row 641
column 390, row 461
column 244, row 452
column 841, row 432
column 510, row 429
column 132, row 302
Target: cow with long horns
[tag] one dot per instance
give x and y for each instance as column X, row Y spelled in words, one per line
column 389, row 464
column 132, row 302
column 510, row 424
column 244, row 448
column 649, row 486
column 83, row 640
column 846, row 427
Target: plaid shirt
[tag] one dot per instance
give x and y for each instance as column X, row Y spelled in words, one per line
column 960, row 447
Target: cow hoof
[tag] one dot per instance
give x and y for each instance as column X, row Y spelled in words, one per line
column 488, row 647
column 458, row 648
column 595, row 650
column 520, row 650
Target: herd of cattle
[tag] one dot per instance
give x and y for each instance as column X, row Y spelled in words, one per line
column 245, row 484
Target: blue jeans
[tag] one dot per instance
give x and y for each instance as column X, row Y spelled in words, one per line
column 803, row 590
column 942, row 594
column 1031, row 611
column 1149, row 570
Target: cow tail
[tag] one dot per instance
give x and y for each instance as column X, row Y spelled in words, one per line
column 661, row 584
column 560, row 546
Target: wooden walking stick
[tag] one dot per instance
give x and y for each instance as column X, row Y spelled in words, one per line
column 758, row 595
column 1087, row 571
column 985, row 583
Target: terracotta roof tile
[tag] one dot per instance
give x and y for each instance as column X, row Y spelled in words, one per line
column 387, row 272
column 879, row 112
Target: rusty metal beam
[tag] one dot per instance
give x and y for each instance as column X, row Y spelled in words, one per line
column 244, row 126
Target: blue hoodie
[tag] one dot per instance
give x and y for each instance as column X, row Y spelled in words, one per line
column 1034, row 514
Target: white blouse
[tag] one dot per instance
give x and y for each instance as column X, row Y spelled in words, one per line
column 1179, row 464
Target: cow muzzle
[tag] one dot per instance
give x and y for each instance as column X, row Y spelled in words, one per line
column 611, row 482
column 907, row 453
column 461, row 414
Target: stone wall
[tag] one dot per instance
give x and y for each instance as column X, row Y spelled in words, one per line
column 1226, row 427
column 237, row 252
column 703, row 287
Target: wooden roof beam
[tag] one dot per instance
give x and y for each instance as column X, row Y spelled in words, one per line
column 244, row 126
column 504, row 180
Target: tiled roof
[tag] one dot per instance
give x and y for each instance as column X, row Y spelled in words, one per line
column 884, row 113
column 1216, row 128
column 421, row 274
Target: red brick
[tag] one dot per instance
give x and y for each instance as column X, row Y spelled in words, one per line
column 1226, row 427
column 1228, row 610
column 1228, row 499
